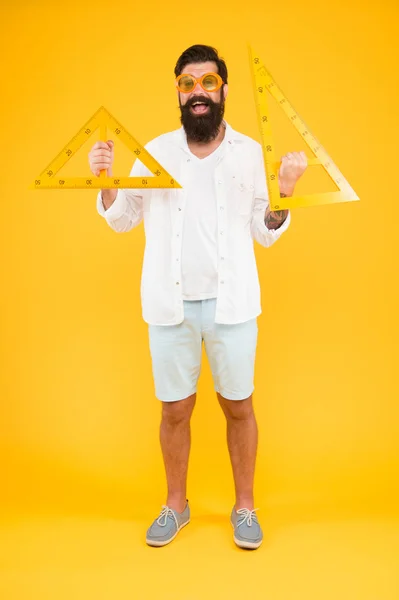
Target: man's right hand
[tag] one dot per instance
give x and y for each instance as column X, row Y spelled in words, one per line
column 101, row 156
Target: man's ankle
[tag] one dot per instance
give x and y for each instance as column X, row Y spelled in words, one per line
column 244, row 502
column 177, row 503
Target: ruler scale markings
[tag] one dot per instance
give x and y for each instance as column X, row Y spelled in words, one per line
column 97, row 183
column 269, row 159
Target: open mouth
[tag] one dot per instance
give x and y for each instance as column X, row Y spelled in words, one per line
column 199, row 108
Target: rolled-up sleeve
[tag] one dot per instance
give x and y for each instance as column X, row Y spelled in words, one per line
column 264, row 236
column 126, row 211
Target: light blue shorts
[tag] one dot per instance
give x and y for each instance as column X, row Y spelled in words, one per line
column 176, row 352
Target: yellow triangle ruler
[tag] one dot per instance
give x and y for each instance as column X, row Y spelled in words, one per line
column 102, row 119
column 263, row 85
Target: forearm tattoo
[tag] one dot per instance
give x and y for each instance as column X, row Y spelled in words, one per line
column 274, row 219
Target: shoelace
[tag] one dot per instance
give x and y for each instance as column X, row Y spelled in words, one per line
column 165, row 513
column 247, row 516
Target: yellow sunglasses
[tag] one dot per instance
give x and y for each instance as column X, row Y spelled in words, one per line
column 210, row 82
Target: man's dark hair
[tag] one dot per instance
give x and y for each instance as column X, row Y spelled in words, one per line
column 198, row 54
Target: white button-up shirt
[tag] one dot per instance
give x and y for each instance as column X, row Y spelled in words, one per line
column 242, row 199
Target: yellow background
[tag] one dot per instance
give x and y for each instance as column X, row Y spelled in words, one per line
column 82, row 474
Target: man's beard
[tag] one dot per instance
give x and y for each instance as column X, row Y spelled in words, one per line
column 202, row 128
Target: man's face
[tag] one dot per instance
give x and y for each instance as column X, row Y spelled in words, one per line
column 201, row 111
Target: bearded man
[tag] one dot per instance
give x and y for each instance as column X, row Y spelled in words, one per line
column 199, row 280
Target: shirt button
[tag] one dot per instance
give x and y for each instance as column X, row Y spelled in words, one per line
column 221, row 233
column 179, row 208
column 188, row 160
column 178, row 235
column 222, row 208
column 220, row 181
column 222, row 282
column 222, row 258
column 177, row 282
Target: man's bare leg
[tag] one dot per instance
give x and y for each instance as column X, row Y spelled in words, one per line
column 242, row 440
column 175, row 437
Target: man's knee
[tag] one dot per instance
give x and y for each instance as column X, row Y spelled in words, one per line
column 237, row 409
column 179, row 411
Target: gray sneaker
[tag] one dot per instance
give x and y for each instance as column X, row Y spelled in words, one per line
column 247, row 531
column 166, row 527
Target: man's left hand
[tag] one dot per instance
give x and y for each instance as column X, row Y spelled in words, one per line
column 293, row 165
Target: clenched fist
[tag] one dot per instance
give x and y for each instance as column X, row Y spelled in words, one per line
column 293, row 165
column 101, row 156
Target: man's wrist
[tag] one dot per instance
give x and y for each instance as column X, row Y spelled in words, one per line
column 286, row 191
column 275, row 218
